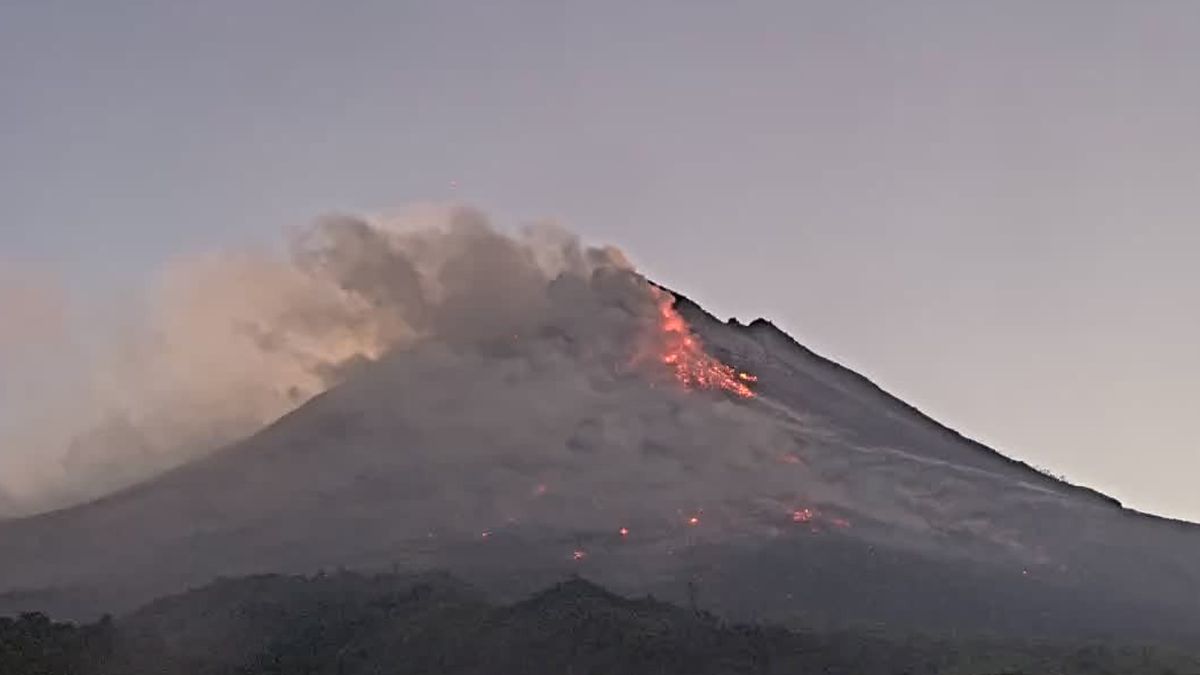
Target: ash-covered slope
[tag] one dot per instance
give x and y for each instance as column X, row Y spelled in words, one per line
column 948, row 530
column 566, row 442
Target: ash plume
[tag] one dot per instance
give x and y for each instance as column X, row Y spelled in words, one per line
column 485, row 340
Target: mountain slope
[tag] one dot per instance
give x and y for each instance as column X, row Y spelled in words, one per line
column 821, row 499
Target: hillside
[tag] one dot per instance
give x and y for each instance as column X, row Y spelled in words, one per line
column 352, row 624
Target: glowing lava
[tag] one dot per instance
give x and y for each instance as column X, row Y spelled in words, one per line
column 814, row 518
column 802, row 516
column 682, row 352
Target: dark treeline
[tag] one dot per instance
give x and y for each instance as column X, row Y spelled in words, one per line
column 32, row 643
column 349, row 624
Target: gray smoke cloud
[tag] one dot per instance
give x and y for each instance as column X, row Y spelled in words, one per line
column 234, row 341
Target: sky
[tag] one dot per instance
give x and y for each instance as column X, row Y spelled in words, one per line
column 991, row 209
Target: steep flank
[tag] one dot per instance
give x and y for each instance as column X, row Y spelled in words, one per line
column 862, row 389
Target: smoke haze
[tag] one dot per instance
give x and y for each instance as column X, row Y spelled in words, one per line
column 34, row 309
column 231, row 342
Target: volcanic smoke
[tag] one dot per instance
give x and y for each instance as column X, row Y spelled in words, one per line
column 231, row 342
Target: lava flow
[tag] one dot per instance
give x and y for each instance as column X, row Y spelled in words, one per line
column 682, row 352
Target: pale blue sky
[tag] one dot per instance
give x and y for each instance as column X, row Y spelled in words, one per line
column 991, row 208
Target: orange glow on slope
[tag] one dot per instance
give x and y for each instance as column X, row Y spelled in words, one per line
column 813, row 517
column 682, row 352
column 802, row 516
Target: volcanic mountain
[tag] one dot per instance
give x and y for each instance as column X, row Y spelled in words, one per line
column 615, row 429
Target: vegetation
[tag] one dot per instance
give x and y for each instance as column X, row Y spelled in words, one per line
column 352, row 624
column 34, row 645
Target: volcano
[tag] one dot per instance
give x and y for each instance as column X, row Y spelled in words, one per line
column 625, row 434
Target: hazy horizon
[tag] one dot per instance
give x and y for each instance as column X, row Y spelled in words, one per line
column 990, row 211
